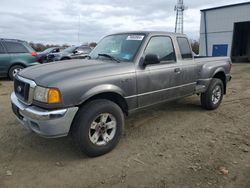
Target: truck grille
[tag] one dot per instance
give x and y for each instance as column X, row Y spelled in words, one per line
column 22, row 90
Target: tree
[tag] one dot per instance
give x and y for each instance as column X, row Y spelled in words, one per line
column 195, row 46
column 39, row 47
column 92, row 44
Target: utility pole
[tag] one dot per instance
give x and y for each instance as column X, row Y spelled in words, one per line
column 79, row 29
column 179, row 8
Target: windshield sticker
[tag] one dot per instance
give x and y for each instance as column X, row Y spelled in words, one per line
column 135, row 37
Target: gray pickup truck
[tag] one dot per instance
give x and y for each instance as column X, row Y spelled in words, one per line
column 126, row 72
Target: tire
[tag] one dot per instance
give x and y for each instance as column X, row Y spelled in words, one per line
column 88, row 126
column 14, row 70
column 212, row 98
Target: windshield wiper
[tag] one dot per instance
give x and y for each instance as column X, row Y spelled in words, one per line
column 110, row 57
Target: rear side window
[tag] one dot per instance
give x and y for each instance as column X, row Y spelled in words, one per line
column 2, row 51
column 55, row 50
column 161, row 46
column 84, row 50
column 185, row 49
column 15, row 47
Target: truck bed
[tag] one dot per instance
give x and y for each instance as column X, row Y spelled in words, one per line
column 204, row 59
column 212, row 62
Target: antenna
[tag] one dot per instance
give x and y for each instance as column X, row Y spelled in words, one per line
column 179, row 8
column 79, row 29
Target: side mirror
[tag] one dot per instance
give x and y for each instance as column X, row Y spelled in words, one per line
column 78, row 52
column 151, row 59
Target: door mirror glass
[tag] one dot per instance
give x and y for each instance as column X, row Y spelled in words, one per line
column 151, row 59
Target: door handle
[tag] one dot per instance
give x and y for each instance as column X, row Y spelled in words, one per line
column 177, row 70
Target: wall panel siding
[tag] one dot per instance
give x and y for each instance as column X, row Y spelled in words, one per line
column 220, row 26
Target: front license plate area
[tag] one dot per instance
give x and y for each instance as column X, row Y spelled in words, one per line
column 15, row 109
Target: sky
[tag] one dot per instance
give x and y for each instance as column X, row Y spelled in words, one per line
column 62, row 21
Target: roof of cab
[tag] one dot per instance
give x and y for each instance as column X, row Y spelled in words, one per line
column 151, row 33
column 13, row 40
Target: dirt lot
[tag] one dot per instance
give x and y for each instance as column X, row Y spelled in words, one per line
column 174, row 145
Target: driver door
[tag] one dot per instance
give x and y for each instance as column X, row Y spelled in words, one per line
column 157, row 82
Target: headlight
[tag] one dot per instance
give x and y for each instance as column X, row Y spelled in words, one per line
column 47, row 95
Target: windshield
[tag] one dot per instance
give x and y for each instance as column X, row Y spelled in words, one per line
column 48, row 50
column 69, row 49
column 122, row 47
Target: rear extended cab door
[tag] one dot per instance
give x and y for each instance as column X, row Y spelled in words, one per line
column 4, row 60
column 158, row 82
column 188, row 67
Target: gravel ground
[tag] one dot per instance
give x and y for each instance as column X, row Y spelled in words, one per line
column 176, row 144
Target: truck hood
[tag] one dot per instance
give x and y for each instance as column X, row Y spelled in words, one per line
column 55, row 74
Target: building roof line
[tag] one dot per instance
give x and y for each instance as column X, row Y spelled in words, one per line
column 226, row 6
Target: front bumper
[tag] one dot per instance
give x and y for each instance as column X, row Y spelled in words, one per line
column 49, row 124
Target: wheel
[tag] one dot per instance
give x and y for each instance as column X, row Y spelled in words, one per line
column 98, row 127
column 212, row 98
column 14, row 70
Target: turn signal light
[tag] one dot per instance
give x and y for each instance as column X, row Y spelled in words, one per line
column 54, row 96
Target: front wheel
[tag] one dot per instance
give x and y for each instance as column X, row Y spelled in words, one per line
column 212, row 98
column 14, row 70
column 98, row 127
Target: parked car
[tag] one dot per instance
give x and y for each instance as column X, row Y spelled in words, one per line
column 73, row 52
column 126, row 72
column 48, row 54
column 15, row 55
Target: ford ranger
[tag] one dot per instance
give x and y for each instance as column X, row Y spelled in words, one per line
column 126, row 72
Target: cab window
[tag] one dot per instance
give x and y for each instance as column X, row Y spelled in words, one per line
column 185, row 49
column 163, row 47
column 84, row 49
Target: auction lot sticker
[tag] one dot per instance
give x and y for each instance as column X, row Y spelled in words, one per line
column 135, row 37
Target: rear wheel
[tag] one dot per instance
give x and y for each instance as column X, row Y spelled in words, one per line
column 14, row 70
column 212, row 98
column 98, row 127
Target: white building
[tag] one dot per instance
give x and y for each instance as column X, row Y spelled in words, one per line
column 225, row 31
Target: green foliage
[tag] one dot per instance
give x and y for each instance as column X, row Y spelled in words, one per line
column 39, row 47
column 195, row 46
